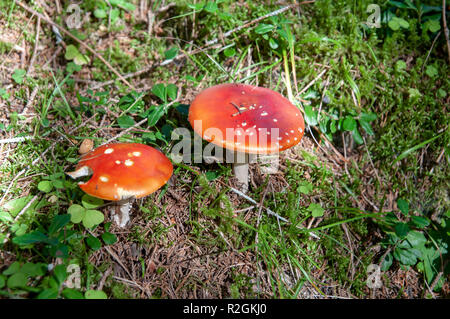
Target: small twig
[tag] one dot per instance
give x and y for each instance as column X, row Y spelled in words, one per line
column 22, row 211
column 312, row 82
column 201, row 49
column 16, row 139
column 246, row 25
column 51, row 22
column 270, row 212
column 444, row 21
column 431, row 49
column 36, row 44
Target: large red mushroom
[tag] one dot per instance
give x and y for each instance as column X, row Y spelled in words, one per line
column 246, row 119
column 121, row 172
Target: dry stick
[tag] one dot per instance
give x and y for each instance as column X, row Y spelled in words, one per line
column 444, row 21
column 276, row 12
column 431, row 49
column 49, row 21
column 36, row 43
column 207, row 44
column 15, row 139
column 312, row 82
column 270, row 212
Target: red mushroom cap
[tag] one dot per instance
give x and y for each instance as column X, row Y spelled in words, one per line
column 124, row 170
column 263, row 120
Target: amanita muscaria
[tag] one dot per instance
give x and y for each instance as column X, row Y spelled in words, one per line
column 121, row 172
column 246, row 119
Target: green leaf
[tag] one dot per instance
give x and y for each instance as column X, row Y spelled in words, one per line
column 155, row 114
column 357, row 136
column 432, row 25
column 93, row 242
column 416, row 239
column 70, row 293
column 90, row 202
column 77, row 213
column 100, row 13
column 19, row 75
column 316, row 210
column 420, row 222
column 229, row 52
column 34, row 270
column 172, row 91
column 403, row 206
column 387, row 262
column 72, row 53
column 263, row 28
column 2, row 282
column 366, row 126
column 93, row 218
column 12, row 269
column 51, row 293
column 5, row 217
column 109, row 238
column 211, row 7
column 30, row 238
column 160, row 91
column 45, row 186
column 305, row 188
column 400, row 65
column 273, row 44
column 17, row 280
column 349, row 123
column 310, row 115
column 211, row 175
column 125, row 121
column 16, row 205
column 405, row 256
column 171, row 53
column 60, row 273
column 58, row 222
column 431, row 71
column 95, row 294
column 401, row 230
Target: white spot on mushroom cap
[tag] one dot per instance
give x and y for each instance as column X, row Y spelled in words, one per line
column 109, row 150
column 118, row 162
column 104, row 179
column 129, row 162
column 275, row 120
column 264, row 113
column 137, row 154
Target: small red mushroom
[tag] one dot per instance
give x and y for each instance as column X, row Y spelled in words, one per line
column 123, row 171
column 261, row 121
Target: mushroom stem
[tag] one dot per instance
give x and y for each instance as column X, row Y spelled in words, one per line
column 240, row 168
column 121, row 213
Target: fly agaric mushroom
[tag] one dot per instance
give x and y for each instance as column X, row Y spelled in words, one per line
column 258, row 121
column 121, row 172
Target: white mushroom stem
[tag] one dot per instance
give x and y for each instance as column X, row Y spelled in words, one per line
column 121, row 213
column 240, row 168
